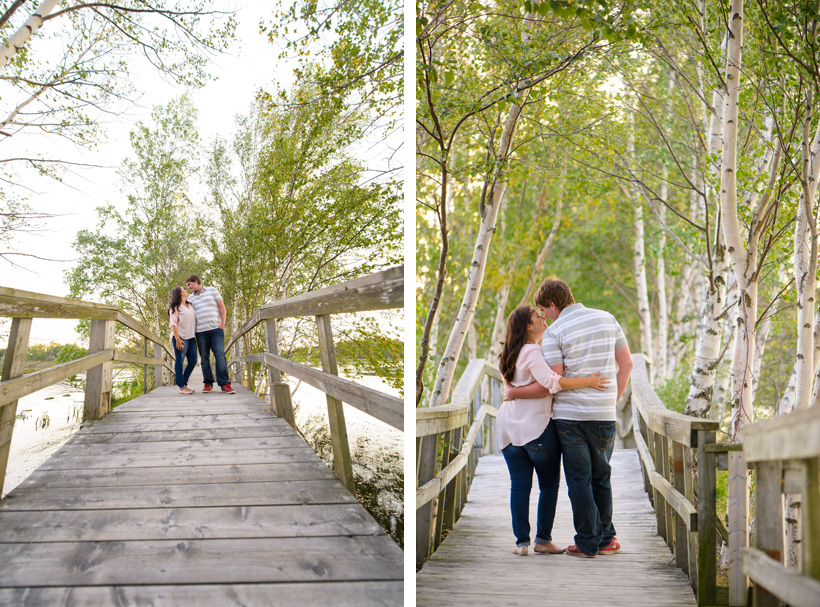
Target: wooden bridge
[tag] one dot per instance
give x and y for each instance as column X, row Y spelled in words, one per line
column 210, row 499
column 664, row 510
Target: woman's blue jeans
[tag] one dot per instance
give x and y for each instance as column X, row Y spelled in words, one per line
column 188, row 352
column 544, row 456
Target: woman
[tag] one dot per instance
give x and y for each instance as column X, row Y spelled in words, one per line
column 527, row 437
column 183, row 326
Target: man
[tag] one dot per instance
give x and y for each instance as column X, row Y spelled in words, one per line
column 210, row 334
column 581, row 341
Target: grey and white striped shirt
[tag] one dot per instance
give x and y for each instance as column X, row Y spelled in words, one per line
column 208, row 316
column 584, row 340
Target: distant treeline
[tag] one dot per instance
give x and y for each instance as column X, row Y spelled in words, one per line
column 52, row 352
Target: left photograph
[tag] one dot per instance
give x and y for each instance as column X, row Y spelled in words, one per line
column 202, row 303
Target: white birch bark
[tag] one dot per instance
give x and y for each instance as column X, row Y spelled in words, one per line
column 805, row 262
column 20, row 38
column 660, row 289
column 742, row 263
column 447, row 366
column 639, row 259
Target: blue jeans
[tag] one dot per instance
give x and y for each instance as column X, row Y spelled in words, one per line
column 587, row 448
column 188, row 352
column 212, row 341
column 544, row 456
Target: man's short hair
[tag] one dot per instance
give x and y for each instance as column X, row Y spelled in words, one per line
column 193, row 278
column 554, row 290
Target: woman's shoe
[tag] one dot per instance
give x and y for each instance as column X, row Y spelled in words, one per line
column 549, row 549
column 185, row 391
column 521, row 550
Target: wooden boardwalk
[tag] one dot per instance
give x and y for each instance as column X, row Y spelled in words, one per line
column 475, row 566
column 191, row 500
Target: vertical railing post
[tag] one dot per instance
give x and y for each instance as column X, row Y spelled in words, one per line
column 768, row 535
column 681, row 535
column 738, row 513
column 342, row 464
column 279, row 391
column 145, row 366
column 98, row 379
column 426, row 470
column 491, row 420
column 478, row 443
column 13, row 365
column 810, row 539
column 707, row 566
column 159, row 376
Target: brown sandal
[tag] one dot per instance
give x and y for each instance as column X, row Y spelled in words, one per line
column 521, row 550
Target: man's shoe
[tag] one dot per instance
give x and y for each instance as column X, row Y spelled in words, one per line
column 576, row 551
column 228, row 390
column 613, row 548
column 207, row 388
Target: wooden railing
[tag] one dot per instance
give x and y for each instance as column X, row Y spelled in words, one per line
column 671, row 446
column 449, row 441
column 379, row 291
column 784, row 453
column 22, row 307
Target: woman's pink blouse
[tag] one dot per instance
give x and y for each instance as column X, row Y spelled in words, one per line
column 524, row 419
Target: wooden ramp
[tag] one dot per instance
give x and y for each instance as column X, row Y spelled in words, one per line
column 475, row 566
column 191, row 500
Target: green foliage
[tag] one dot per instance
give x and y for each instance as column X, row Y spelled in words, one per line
column 43, row 352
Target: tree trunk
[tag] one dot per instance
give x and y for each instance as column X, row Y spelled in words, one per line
column 660, row 289
column 447, row 366
column 639, row 259
column 20, row 38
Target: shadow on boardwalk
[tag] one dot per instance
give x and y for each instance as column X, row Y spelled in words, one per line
column 475, row 566
column 201, row 500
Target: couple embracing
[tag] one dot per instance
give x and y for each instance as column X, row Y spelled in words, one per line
column 560, row 400
column 197, row 321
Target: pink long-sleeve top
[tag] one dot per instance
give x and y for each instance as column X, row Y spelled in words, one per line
column 524, row 419
column 184, row 318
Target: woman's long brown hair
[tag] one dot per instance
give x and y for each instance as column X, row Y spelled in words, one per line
column 514, row 339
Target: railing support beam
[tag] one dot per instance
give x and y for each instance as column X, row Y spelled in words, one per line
column 279, row 391
column 98, row 379
column 13, row 365
column 342, row 465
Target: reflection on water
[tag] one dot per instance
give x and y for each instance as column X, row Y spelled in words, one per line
column 377, row 451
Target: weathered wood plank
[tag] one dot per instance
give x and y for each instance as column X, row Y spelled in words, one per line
column 257, row 431
column 792, row 436
column 180, row 446
column 98, row 379
column 383, row 407
column 13, row 364
column 114, row 477
column 338, row 594
column 247, row 560
column 227, row 522
column 795, row 589
column 179, row 496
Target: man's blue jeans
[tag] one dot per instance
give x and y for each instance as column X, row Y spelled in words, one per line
column 188, row 352
column 212, row 341
column 544, row 456
column 587, row 449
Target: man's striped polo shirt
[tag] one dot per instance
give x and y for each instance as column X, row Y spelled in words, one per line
column 208, row 315
column 584, row 340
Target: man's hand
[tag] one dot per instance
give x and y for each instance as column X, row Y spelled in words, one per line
column 222, row 314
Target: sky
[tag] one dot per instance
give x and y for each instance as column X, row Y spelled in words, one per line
column 250, row 64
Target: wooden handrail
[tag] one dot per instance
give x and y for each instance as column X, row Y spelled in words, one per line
column 773, row 448
column 378, row 291
column 16, row 303
column 384, row 407
column 464, row 428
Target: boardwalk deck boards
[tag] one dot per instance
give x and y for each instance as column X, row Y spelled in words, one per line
column 200, row 500
column 475, row 566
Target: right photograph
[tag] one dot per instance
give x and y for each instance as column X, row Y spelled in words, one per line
column 617, row 332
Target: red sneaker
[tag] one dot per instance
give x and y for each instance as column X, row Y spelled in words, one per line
column 228, row 390
column 613, row 548
column 576, row 551
column 207, row 388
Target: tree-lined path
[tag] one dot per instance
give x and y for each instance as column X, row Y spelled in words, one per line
column 475, row 565
column 202, row 500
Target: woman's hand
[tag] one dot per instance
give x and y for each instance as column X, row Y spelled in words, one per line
column 178, row 343
column 598, row 381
